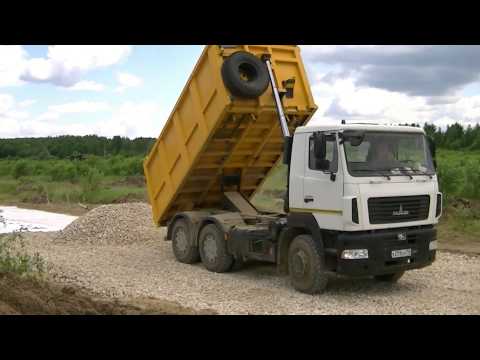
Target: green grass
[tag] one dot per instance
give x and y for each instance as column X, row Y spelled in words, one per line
column 116, row 179
column 459, row 174
column 269, row 196
column 14, row 258
column 95, row 180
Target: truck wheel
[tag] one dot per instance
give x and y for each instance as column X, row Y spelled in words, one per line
column 306, row 265
column 393, row 278
column 182, row 245
column 245, row 75
column 213, row 250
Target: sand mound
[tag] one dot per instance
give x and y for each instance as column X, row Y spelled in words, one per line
column 113, row 224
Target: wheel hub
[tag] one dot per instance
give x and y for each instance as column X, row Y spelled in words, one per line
column 181, row 240
column 210, row 248
column 299, row 262
column 247, row 72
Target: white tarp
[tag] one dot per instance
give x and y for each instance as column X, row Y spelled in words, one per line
column 14, row 219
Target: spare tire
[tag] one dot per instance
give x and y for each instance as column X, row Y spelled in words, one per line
column 245, row 75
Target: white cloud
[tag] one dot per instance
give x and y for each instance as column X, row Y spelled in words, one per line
column 6, row 103
column 11, row 116
column 55, row 111
column 342, row 99
column 66, row 64
column 311, row 51
column 126, row 80
column 26, row 103
column 87, row 85
column 12, row 62
column 88, row 56
column 130, row 119
column 135, row 119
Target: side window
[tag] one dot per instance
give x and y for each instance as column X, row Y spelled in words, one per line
column 332, row 154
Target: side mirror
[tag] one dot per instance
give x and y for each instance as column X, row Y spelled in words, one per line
column 319, row 146
column 323, row 164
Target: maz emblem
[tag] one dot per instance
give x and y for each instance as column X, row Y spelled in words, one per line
column 400, row 211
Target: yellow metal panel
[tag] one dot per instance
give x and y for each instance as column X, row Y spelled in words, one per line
column 209, row 133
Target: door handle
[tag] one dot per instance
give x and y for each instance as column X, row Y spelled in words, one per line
column 308, row 199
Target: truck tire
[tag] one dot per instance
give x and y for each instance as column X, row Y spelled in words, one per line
column 245, row 75
column 182, row 244
column 392, row 278
column 213, row 250
column 306, row 265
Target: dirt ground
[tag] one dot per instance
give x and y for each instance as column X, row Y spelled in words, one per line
column 29, row 296
column 461, row 243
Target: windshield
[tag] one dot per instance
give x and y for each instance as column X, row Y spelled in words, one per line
column 387, row 154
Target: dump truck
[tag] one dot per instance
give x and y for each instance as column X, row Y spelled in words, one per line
column 361, row 199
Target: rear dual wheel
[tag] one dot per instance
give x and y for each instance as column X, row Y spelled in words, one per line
column 183, row 248
column 213, row 250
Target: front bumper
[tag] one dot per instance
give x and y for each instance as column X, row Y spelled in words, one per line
column 380, row 245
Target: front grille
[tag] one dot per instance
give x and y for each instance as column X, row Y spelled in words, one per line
column 398, row 209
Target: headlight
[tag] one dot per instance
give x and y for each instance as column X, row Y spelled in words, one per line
column 355, row 254
column 433, row 245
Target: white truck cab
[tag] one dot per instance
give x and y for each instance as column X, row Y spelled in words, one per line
column 387, row 180
column 368, row 194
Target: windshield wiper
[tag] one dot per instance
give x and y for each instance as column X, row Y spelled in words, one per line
column 418, row 171
column 422, row 172
column 377, row 170
column 402, row 170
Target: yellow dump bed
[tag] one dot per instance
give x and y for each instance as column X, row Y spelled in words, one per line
column 210, row 134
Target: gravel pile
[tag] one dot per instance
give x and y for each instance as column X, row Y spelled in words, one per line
column 113, row 224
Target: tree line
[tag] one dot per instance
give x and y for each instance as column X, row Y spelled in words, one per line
column 71, row 147
column 455, row 137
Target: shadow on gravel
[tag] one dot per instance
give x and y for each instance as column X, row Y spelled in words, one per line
column 338, row 285
column 341, row 285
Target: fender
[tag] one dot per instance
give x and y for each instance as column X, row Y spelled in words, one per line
column 305, row 221
column 297, row 224
column 193, row 219
column 224, row 221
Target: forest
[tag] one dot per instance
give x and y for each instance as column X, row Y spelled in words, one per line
column 454, row 137
column 73, row 147
column 93, row 160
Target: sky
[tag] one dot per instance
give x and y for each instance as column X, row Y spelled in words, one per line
column 131, row 90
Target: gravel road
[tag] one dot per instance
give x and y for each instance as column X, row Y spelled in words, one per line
column 148, row 268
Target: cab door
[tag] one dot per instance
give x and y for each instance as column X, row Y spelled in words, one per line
column 323, row 189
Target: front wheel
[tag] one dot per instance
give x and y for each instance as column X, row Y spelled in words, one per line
column 306, row 265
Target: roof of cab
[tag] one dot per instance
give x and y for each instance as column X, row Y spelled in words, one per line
column 358, row 126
